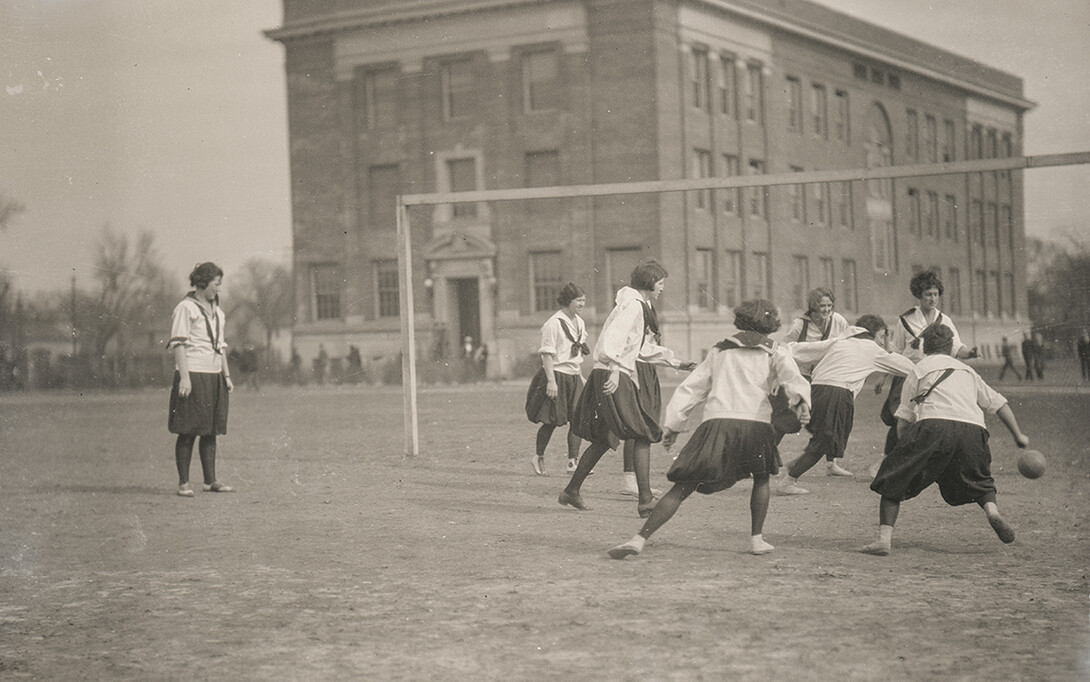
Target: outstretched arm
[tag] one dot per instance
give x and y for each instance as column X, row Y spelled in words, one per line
column 1006, row 415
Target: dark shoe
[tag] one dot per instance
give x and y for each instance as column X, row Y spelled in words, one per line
column 645, row 510
column 573, row 500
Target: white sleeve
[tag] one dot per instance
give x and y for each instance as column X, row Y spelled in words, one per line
column 693, row 391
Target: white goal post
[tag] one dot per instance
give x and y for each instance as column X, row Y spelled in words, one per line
column 404, row 258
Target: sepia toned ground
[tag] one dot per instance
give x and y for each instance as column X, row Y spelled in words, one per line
column 340, row 559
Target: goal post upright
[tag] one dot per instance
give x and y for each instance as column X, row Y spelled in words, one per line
column 408, row 328
column 408, row 337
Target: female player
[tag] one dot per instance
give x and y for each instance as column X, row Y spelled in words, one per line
column 202, row 379
column 735, row 438
column 926, row 287
column 843, row 364
column 819, row 323
column 942, row 439
column 555, row 388
column 609, row 409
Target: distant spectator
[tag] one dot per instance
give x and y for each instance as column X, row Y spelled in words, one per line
column 321, row 363
column 355, row 365
column 1039, row 356
column 295, row 367
column 248, row 365
column 1083, row 349
column 1028, row 353
column 1008, row 349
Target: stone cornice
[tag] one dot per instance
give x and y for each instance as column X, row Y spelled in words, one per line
column 404, row 11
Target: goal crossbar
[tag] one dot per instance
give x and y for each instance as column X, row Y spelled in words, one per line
column 404, row 201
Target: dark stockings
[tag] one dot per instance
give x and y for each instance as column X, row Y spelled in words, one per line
column 545, row 433
column 183, row 453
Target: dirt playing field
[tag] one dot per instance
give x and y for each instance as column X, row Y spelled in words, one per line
column 341, row 559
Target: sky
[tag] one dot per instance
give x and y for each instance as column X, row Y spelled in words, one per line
column 170, row 117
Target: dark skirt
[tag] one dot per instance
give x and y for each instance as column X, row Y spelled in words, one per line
column 831, row 420
column 609, row 419
column 204, row 411
column 541, row 409
column 650, row 394
column 722, row 452
column 951, row 453
column 889, row 410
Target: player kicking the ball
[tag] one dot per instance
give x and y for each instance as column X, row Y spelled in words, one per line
column 942, row 439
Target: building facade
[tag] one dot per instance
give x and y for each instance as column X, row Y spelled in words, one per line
column 389, row 97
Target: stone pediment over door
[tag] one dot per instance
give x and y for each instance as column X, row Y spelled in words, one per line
column 459, row 246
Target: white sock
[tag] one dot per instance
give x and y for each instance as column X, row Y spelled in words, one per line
column 788, row 479
column 630, row 480
column 637, row 542
column 885, row 534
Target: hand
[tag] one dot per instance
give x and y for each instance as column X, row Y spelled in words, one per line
column 230, row 384
column 1021, row 440
column 668, row 439
column 612, row 383
column 550, row 389
column 973, row 353
column 802, row 411
column 185, row 386
column 687, row 366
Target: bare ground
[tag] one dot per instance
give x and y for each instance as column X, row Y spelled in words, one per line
column 339, row 558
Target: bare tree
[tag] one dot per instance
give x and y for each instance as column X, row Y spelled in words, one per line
column 132, row 292
column 263, row 294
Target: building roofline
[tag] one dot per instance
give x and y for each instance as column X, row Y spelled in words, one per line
column 877, row 49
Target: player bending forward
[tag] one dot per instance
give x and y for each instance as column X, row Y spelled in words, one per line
column 735, row 439
column 942, row 439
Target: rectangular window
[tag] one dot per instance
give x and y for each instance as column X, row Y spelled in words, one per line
column 542, row 170
column 992, row 150
column 383, row 186
column 930, row 138
column 932, row 214
column 912, row 135
column 976, row 143
column 326, row 282
column 730, row 196
column 1008, row 293
column 842, row 125
column 760, row 275
column 702, row 168
column 819, row 110
column 827, row 279
column 1006, row 221
column 545, row 280
column 991, row 226
column 952, row 294
column 976, row 221
column 877, row 76
column 950, row 217
column 700, row 74
column 859, row 71
column 704, row 279
column 948, row 144
column 850, row 294
column 459, row 89
column 995, row 305
column 894, row 81
column 727, row 85
column 914, row 211
column 980, row 294
column 797, row 195
column 844, row 205
column 377, row 96
column 619, row 266
column 732, row 278
column 800, row 281
column 794, row 104
column 387, row 287
column 757, row 195
column 821, row 203
column 754, row 96
column 463, row 178
column 1006, row 147
column 540, row 81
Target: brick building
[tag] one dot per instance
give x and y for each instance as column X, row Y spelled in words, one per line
column 413, row 96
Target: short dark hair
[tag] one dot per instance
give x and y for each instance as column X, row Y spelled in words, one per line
column 924, row 280
column 872, row 323
column 757, row 315
column 813, row 299
column 937, row 339
column 203, row 274
column 646, row 274
column 569, row 293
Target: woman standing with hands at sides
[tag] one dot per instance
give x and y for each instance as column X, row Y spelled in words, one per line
column 555, row 388
column 735, row 439
column 904, row 338
column 609, row 409
column 202, row 378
